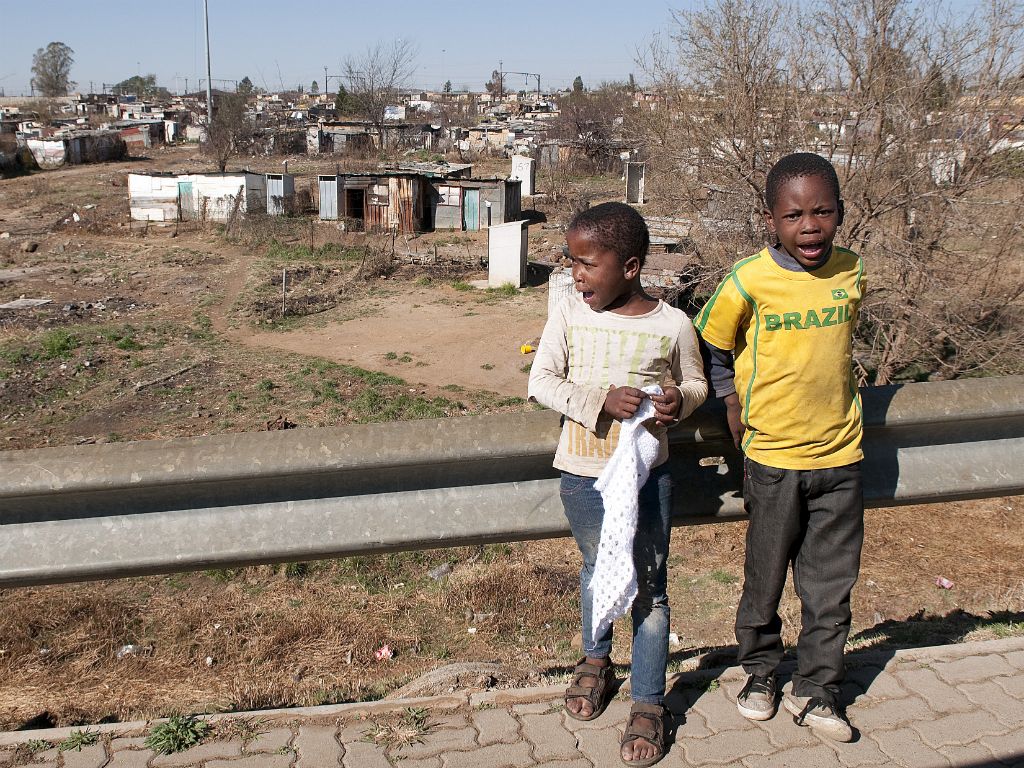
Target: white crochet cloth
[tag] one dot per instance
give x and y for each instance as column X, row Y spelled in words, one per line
column 614, row 581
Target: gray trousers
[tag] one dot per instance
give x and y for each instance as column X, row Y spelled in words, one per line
column 814, row 520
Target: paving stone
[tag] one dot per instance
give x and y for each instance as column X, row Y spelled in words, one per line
column 496, row 725
column 905, row 746
column 799, row 757
column 362, row 754
column 960, row 728
column 550, row 740
column 130, row 758
column 941, row 696
column 126, row 742
column 354, row 731
column 272, row 740
column 992, row 698
column 1009, row 748
column 728, row 747
column 972, row 669
column 253, row 761
column 93, row 756
column 1015, row 658
column 426, row 762
column 436, row 741
column 862, row 751
column 316, row 747
column 718, row 708
column 876, row 683
column 515, row 755
column 784, row 733
column 580, row 762
column 967, row 754
column 692, row 726
column 1013, row 685
column 538, row 707
column 889, row 714
column 211, row 750
column 601, row 747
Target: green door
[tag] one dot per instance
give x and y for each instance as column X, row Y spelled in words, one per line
column 186, row 203
column 471, row 210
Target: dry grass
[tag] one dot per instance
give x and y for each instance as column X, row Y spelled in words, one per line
column 307, row 634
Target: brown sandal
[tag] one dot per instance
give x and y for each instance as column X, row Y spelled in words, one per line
column 654, row 713
column 597, row 695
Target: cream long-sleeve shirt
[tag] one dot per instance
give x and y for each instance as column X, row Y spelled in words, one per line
column 583, row 353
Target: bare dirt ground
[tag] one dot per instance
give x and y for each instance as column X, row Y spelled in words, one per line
column 152, row 336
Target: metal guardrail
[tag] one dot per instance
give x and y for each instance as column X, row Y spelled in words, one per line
column 104, row 511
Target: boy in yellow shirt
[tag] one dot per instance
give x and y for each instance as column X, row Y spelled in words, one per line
column 779, row 333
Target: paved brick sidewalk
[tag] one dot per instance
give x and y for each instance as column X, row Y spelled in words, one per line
column 959, row 705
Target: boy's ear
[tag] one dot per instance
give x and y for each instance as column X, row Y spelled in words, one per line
column 769, row 221
column 842, row 213
column 631, row 268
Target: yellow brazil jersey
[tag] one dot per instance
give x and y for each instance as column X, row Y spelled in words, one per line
column 792, row 338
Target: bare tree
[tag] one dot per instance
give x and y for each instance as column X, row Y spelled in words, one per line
column 51, row 69
column 913, row 111
column 231, row 131
column 376, row 79
column 593, row 120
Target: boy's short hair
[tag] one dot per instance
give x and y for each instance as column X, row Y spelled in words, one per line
column 794, row 166
column 616, row 227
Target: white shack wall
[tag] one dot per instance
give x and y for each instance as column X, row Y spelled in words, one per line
column 153, row 198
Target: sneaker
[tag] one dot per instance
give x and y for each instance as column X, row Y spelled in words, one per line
column 822, row 716
column 756, row 701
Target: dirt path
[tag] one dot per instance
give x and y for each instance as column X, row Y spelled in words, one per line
column 451, row 338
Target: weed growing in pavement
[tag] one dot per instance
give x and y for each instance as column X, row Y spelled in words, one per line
column 396, row 733
column 179, row 733
column 243, row 728
column 78, row 739
column 38, row 745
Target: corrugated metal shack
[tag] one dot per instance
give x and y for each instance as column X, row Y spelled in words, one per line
column 411, row 201
column 195, row 196
column 329, row 136
column 280, row 193
column 77, row 148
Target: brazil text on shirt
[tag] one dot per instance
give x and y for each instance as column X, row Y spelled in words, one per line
column 820, row 318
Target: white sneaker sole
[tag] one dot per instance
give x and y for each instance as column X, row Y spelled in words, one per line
column 755, row 714
column 836, row 730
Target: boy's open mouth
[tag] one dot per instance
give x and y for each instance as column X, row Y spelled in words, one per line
column 812, row 251
column 587, row 295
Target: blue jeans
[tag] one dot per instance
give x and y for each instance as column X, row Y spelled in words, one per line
column 585, row 511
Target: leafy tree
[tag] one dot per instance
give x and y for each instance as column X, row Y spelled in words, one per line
column 314, row 87
column 577, row 85
column 245, row 87
column 375, row 78
column 144, row 87
column 447, row 86
column 342, row 102
column 51, row 69
column 495, row 86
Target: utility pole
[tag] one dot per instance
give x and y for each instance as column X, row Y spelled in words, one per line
column 501, row 80
column 209, row 81
column 325, row 81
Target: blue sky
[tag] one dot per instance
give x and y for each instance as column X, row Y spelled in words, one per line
column 274, row 41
